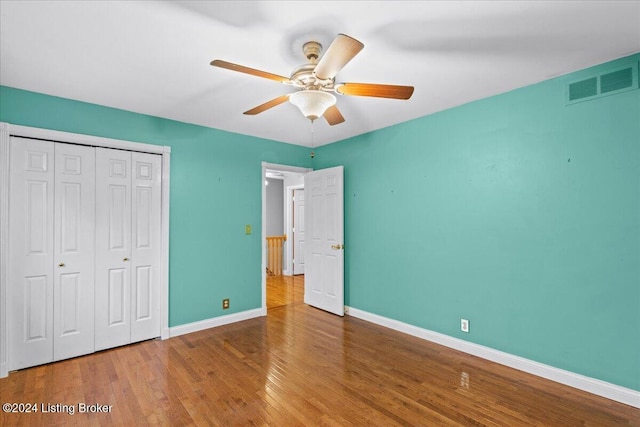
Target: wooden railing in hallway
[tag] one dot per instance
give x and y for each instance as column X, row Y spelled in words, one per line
column 274, row 254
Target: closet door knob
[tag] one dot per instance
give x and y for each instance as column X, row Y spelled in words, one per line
column 125, row 259
column 61, row 264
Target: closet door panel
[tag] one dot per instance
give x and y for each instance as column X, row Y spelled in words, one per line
column 113, row 248
column 117, row 292
column 146, row 246
column 74, row 252
column 30, row 269
column 35, row 311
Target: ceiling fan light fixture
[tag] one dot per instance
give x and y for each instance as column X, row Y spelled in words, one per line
column 312, row 103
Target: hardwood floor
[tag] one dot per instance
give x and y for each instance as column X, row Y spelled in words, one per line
column 284, row 290
column 299, row 366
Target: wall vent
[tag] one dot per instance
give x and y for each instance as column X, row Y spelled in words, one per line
column 614, row 81
column 583, row 89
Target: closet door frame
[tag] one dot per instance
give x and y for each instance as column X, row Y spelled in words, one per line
column 6, row 132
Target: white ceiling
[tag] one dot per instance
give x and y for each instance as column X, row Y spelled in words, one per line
column 152, row 57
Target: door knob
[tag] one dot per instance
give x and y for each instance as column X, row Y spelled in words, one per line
column 337, row 247
column 61, row 264
column 125, row 259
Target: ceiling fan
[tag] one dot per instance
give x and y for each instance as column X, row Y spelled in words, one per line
column 315, row 81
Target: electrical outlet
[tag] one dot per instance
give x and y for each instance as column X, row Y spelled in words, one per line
column 225, row 303
column 464, row 325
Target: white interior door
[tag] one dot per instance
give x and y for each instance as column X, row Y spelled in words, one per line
column 146, row 254
column 31, row 252
column 298, row 231
column 113, row 248
column 324, row 239
column 74, row 251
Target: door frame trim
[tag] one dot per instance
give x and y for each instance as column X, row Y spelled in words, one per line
column 263, row 241
column 8, row 130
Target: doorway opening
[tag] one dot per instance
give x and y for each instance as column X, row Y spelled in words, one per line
column 282, row 280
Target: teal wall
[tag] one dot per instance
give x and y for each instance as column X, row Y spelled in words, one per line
column 216, row 188
column 516, row 212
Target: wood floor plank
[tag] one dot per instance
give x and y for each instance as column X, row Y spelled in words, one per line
column 284, row 290
column 299, row 366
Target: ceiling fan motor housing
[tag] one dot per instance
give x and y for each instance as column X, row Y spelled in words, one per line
column 303, row 76
column 312, row 51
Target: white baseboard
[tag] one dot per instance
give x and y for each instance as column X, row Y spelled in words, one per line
column 213, row 322
column 166, row 333
column 581, row 382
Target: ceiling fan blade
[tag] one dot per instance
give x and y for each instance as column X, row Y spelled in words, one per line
column 375, row 90
column 242, row 69
column 269, row 104
column 333, row 116
column 340, row 52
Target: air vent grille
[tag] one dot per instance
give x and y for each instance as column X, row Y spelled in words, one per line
column 617, row 80
column 612, row 82
column 583, row 89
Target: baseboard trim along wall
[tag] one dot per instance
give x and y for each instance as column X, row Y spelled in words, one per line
column 213, row 322
column 581, row 382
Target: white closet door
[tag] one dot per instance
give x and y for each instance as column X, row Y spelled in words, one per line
column 84, row 249
column 146, row 246
column 31, row 252
column 113, row 248
column 74, row 243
